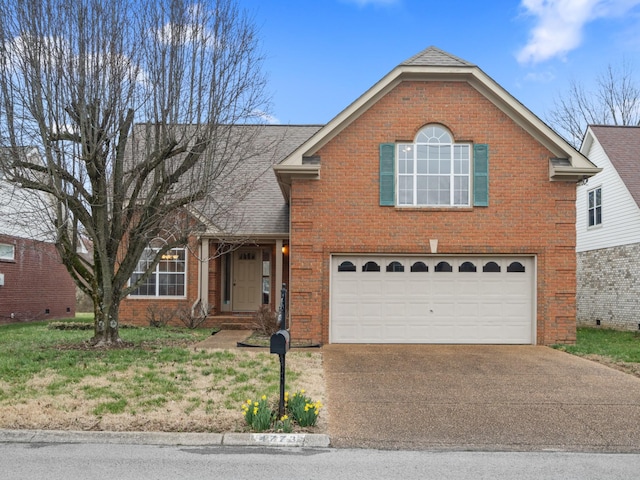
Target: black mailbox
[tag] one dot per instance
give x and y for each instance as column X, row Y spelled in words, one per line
column 280, row 342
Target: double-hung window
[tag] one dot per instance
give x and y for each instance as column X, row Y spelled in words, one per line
column 433, row 171
column 168, row 278
column 594, row 206
column 7, row 252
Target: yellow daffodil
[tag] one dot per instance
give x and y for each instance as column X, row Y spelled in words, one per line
column 264, row 397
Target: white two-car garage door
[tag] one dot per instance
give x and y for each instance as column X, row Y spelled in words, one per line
column 413, row 299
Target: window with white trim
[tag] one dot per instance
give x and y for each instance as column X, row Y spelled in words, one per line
column 594, row 206
column 7, row 252
column 433, row 170
column 168, row 278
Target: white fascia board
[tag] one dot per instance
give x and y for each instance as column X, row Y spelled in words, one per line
column 478, row 80
column 286, row 172
column 580, row 164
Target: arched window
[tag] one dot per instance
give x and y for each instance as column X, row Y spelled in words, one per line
column 346, row 266
column 371, row 267
column 419, row 267
column 467, row 267
column 434, row 170
column 443, row 267
column 395, row 267
column 491, row 267
column 515, row 267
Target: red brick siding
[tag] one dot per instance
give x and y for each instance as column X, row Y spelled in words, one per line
column 135, row 310
column 35, row 282
column 527, row 214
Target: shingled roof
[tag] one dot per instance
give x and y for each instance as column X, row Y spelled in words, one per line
column 622, row 146
column 433, row 64
column 264, row 212
column 434, row 57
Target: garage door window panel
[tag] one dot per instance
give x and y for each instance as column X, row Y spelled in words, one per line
column 419, row 267
column 515, row 267
column 467, row 267
column 491, row 267
column 371, row 267
column 346, row 267
column 444, row 267
column 395, row 267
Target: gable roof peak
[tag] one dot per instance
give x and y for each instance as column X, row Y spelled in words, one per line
column 434, row 57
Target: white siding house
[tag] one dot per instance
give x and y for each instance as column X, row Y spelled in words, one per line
column 608, row 230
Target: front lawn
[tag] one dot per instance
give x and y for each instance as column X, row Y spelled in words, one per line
column 50, row 378
column 615, row 348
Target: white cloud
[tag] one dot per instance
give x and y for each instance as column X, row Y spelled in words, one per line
column 560, row 24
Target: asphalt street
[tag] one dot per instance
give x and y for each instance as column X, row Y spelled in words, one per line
column 61, row 461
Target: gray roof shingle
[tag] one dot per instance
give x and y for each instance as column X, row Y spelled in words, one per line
column 264, row 210
column 434, row 57
column 622, row 146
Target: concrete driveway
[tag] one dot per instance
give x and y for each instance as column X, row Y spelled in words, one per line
column 478, row 398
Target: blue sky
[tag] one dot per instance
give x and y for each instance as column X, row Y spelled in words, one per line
column 323, row 54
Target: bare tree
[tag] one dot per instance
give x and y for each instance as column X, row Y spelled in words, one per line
column 615, row 101
column 131, row 105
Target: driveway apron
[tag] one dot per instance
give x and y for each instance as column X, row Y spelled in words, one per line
column 478, row 398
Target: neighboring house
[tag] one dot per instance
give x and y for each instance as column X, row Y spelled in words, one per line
column 434, row 209
column 34, row 285
column 608, row 230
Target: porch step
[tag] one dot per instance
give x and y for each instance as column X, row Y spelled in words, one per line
column 232, row 322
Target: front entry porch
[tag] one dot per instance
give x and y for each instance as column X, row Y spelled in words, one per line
column 238, row 282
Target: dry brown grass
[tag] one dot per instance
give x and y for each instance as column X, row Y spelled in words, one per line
column 201, row 406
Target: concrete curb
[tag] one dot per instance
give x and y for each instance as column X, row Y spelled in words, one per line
column 168, row 438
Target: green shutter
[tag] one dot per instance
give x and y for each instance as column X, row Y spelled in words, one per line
column 387, row 174
column 481, row 175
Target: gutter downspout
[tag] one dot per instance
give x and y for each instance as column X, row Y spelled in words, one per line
column 203, row 279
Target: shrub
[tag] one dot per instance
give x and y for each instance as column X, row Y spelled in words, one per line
column 265, row 321
column 159, row 316
column 193, row 318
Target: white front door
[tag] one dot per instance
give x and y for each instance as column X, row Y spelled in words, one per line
column 247, row 279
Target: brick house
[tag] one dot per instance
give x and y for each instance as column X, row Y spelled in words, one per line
column 34, row 285
column 608, row 230
column 434, row 209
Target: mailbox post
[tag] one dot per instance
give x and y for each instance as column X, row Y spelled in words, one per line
column 280, row 344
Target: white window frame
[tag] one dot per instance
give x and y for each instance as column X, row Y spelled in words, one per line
column 7, row 252
column 176, row 257
column 592, row 211
column 433, row 160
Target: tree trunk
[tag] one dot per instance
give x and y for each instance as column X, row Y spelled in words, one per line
column 106, row 325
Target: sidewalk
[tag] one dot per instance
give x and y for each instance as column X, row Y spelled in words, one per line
column 225, row 339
